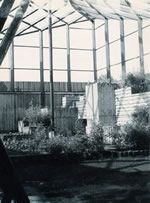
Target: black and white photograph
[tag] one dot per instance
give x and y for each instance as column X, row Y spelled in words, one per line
column 74, row 101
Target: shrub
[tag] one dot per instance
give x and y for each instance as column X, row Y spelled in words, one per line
column 80, row 127
column 116, row 84
column 134, row 137
column 78, row 144
column 57, row 144
column 141, row 115
column 135, row 134
column 35, row 115
column 137, row 82
column 97, row 137
column 3, row 87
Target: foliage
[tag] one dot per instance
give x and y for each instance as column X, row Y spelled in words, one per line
column 96, row 136
column 40, row 143
column 57, row 144
column 141, row 115
column 110, row 134
column 3, row 87
column 137, row 82
column 34, row 116
column 106, row 81
column 135, row 134
column 103, row 79
column 80, row 127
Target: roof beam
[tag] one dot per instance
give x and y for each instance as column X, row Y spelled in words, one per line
column 27, row 23
column 23, row 17
column 59, row 20
column 55, row 16
column 31, row 25
column 76, row 20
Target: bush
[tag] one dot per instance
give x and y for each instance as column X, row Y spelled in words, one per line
column 104, row 80
column 137, row 82
column 35, row 115
column 135, row 134
column 141, row 115
column 82, row 145
column 80, row 127
column 97, row 137
column 3, row 87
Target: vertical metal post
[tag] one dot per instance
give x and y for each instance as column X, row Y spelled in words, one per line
column 11, row 63
column 122, row 45
column 94, row 51
column 107, row 49
column 12, row 80
column 69, row 88
column 141, row 48
column 51, row 71
column 41, row 69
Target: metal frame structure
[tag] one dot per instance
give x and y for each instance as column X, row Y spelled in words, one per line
column 74, row 12
column 80, row 11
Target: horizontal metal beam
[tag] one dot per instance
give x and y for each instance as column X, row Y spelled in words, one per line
column 59, row 48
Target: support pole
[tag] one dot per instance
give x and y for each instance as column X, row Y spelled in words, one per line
column 141, row 48
column 94, row 51
column 69, row 88
column 122, row 44
column 41, row 69
column 107, row 49
column 51, row 71
column 12, row 80
column 11, row 63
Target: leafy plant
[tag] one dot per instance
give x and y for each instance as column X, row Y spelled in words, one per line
column 137, row 82
column 135, row 134
column 34, row 115
column 97, row 136
column 80, row 127
column 142, row 115
column 3, row 87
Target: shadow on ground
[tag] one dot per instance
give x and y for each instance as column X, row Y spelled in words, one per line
column 120, row 180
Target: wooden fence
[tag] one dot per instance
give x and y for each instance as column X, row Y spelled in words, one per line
column 35, row 86
column 13, row 106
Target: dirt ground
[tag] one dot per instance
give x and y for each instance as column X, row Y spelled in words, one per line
column 118, row 180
